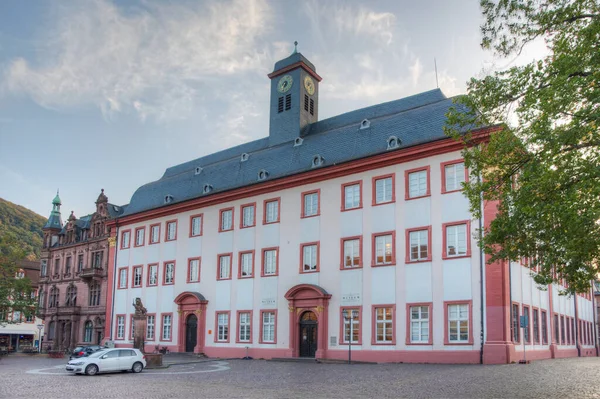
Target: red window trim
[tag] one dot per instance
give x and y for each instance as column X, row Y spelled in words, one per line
column 555, row 326
column 407, row 196
column 165, row 272
column 262, row 262
column 119, row 287
column 374, row 188
column 260, row 339
column 374, row 324
column 306, row 244
column 117, row 327
column 150, row 242
column 230, row 254
column 188, row 279
column 217, row 313
column 146, row 332
column 443, row 174
column 360, row 325
column 373, row 252
column 240, row 264
column 232, row 209
column 532, row 332
column 468, row 239
column 407, row 243
column 360, row 195
column 544, row 315
column 237, row 322
column 305, row 193
column 252, row 204
column 122, row 235
column 148, row 276
column 162, row 322
column 512, row 338
column 131, row 326
column 526, row 308
column 446, row 332
column 561, row 321
column 360, row 253
column 201, row 216
column 135, row 244
column 278, row 200
column 167, row 229
column 133, row 276
column 408, row 330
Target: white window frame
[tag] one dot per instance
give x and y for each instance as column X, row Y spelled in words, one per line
column 419, row 324
column 224, row 267
column 196, row 223
column 352, row 196
column 150, row 324
column 384, row 189
column 123, row 277
column 167, row 319
column 268, row 326
column 227, row 220
column 171, row 230
column 311, row 204
column 169, row 273
column 153, row 275
column 457, row 320
column 386, row 324
column 270, row 262
column 271, row 211
column 453, row 236
column 417, row 184
column 120, row 327
column 194, row 270
column 244, row 326
column 355, row 327
column 418, row 239
column 140, row 237
column 352, row 253
column 381, row 242
column 310, row 252
column 126, row 239
column 222, row 327
column 246, row 261
column 454, row 175
column 248, row 215
column 137, row 276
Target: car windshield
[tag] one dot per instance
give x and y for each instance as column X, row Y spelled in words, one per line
column 97, row 354
column 78, row 349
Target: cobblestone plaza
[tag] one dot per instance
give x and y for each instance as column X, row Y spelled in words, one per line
column 40, row 377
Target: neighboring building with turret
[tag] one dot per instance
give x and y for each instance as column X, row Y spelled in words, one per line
column 73, row 275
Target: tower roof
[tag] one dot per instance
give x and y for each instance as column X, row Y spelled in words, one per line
column 56, row 200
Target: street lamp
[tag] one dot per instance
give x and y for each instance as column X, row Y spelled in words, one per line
column 350, row 316
column 39, row 327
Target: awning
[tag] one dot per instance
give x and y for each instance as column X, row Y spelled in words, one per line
column 18, row 332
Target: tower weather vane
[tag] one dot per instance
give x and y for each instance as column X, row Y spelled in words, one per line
column 295, row 47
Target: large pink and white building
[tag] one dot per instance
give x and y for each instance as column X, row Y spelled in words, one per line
column 261, row 248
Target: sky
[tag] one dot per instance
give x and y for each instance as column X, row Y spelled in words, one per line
column 109, row 93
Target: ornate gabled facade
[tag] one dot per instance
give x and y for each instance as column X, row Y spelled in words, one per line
column 73, row 275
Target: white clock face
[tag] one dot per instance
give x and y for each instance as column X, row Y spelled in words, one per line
column 309, row 85
column 285, row 83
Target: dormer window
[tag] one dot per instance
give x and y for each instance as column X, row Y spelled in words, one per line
column 393, row 142
column 198, row 170
column 244, row 157
column 365, row 124
column 298, row 141
column 262, row 175
column 168, row 199
column 317, row 161
column 207, row 189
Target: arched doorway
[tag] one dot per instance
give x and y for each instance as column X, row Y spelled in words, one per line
column 191, row 333
column 308, row 306
column 191, row 324
column 309, row 337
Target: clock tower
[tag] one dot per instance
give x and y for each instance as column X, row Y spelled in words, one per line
column 294, row 98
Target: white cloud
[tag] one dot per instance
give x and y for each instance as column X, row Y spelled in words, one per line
column 416, row 69
column 154, row 61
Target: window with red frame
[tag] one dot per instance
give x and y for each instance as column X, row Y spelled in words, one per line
column 351, row 253
column 194, row 270
column 310, row 258
column 352, row 196
column 140, row 235
column 248, row 215
column 137, row 276
column 125, row 239
column 154, row 233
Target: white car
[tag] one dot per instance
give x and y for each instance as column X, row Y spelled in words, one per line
column 109, row 360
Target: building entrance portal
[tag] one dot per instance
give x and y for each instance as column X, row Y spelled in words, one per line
column 191, row 328
column 308, row 334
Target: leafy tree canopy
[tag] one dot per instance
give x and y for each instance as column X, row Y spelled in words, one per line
column 24, row 226
column 543, row 165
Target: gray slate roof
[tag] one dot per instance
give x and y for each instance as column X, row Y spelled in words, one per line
column 414, row 120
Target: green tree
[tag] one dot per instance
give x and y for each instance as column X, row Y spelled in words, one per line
column 16, row 294
column 542, row 164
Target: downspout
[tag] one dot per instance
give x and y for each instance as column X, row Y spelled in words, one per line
column 481, row 270
column 112, row 309
column 577, row 343
column 594, row 310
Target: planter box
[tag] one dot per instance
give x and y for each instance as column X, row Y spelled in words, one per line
column 154, row 360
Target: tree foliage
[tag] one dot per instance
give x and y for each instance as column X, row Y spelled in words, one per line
column 543, row 164
column 22, row 225
column 16, row 294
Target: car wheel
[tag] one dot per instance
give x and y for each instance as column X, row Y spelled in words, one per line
column 92, row 369
column 137, row 367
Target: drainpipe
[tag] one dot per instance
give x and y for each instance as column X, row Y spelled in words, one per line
column 576, row 326
column 594, row 310
column 112, row 310
column 481, row 270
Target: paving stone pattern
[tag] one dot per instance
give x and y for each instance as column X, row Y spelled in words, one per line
column 564, row 378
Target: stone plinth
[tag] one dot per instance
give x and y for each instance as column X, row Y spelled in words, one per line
column 154, row 360
column 139, row 332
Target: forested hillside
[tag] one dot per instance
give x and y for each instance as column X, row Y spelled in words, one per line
column 24, row 225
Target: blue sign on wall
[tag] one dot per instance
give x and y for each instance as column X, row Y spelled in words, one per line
column 524, row 321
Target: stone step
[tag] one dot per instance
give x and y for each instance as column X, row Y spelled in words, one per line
column 295, row 359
